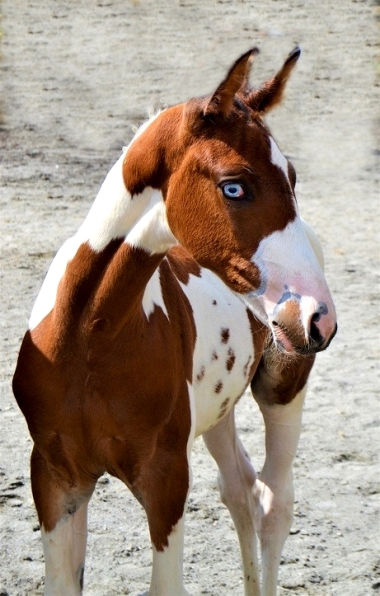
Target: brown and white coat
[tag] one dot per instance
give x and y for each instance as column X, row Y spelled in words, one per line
column 191, row 277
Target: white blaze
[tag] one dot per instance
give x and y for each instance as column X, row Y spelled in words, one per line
column 288, row 263
column 278, row 159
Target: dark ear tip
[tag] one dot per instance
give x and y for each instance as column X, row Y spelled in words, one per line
column 294, row 55
column 252, row 53
column 249, row 55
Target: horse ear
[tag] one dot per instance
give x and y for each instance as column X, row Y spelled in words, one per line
column 221, row 101
column 270, row 93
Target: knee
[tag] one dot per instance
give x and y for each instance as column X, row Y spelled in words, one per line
column 236, row 488
column 273, row 507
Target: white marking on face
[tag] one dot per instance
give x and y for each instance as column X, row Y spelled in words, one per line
column 290, row 264
column 278, row 159
column 153, row 295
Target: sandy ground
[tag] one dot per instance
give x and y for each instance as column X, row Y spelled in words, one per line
column 77, row 76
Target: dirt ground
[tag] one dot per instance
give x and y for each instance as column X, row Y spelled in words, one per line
column 76, row 77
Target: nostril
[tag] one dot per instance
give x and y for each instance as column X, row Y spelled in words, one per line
column 314, row 331
column 274, row 323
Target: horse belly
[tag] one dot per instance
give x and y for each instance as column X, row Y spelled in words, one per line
column 224, row 354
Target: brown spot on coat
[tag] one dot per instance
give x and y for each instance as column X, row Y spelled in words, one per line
column 214, row 356
column 218, row 387
column 225, row 335
column 201, row 374
column 231, row 359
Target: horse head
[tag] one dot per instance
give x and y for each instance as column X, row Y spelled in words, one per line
column 229, row 196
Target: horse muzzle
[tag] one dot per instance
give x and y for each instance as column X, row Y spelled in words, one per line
column 302, row 326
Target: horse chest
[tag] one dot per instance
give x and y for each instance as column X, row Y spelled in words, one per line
column 224, row 350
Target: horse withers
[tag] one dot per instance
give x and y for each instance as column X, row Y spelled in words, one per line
column 192, row 277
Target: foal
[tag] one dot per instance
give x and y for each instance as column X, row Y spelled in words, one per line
column 191, row 277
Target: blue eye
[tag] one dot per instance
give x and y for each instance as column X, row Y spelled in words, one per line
column 233, row 190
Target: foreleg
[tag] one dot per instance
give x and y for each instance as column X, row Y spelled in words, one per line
column 163, row 487
column 63, row 519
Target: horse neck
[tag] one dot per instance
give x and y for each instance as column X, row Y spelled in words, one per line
column 137, row 229
column 140, row 220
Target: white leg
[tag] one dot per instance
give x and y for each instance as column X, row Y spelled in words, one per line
column 273, row 491
column 65, row 550
column 236, row 480
column 167, row 571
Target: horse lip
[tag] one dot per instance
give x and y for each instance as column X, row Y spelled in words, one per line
column 314, row 349
column 281, row 338
column 280, row 334
column 308, row 350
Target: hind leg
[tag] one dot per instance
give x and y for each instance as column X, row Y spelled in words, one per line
column 236, row 481
column 62, row 514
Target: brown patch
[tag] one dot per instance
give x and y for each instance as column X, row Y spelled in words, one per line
column 81, row 368
column 279, row 378
column 214, row 356
column 201, row 374
column 231, row 359
column 146, row 163
column 180, row 316
column 225, row 335
column 182, row 264
column 218, row 387
column 223, row 408
column 214, row 302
